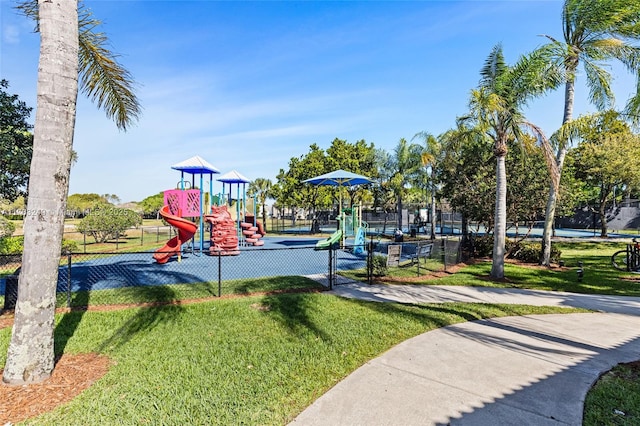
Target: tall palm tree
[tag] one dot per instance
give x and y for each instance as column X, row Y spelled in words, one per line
column 430, row 155
column 30, row 357
column 402, row 167
column 261, row 189
column 496, row 112
column 594, row 32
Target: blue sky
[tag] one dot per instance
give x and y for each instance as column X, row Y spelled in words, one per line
column 248, row 85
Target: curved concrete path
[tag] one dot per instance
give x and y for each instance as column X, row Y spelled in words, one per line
column 531, row 370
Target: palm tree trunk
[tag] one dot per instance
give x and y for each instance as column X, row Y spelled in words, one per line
column 30, row 357
column 500, row 229
column 399, row 211
column 550, row 211
column 433, row 212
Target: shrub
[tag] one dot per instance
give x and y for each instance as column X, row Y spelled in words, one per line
column 69, row 246
column 6, row 227
column 529, row 252
column 106, row 223
column 524, row 251
column 11, row 245
column 379, row 265
column 483, row 246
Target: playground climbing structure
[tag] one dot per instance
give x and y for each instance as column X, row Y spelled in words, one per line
column 224, row 238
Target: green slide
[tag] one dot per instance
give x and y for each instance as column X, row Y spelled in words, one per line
column 334, row 238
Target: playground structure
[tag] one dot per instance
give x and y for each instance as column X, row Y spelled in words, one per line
column 350, row 220
column 226, row 232
column 351, row 225
column 224, row 240
column 186, row 231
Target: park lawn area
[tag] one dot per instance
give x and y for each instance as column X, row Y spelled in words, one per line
column 249, row 360
column 599, row 276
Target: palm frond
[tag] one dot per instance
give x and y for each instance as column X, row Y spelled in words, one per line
column 599, row 80
column 548, row 153
column 105, row 81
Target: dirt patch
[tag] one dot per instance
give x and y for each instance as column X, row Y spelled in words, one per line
column 72, row 375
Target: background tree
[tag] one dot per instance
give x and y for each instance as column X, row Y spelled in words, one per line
column 358, row 157
column 152, row 204
column 467, row 175
column 594, row 32
column 106, row 222
column 30, row 356
column 291, row 192
column 402, row 168
column 608, row 158
column 430, row 157
column 82, row 204
column 261, row 189
column 16, row 144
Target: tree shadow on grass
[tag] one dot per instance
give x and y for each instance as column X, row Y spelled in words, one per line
column 294, row 311
column 437, row 315
column 144, row 320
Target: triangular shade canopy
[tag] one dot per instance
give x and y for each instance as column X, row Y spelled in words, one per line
column 233, row 177
column 195, row 165
column 339, row 178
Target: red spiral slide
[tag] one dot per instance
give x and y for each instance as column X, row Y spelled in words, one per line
column 186, row 230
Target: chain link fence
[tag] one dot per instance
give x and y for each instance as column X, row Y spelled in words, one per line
column 116, row 278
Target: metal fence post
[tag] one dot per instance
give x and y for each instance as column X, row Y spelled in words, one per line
column 141, row 236
column 330, row 266
column 219, row 273
column 84, row 241
column 68, row 279
column 444, row 252
column 370, row 262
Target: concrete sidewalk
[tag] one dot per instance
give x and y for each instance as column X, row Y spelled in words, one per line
column 533, row 370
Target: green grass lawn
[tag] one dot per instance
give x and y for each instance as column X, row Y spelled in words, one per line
column 252, row 360
column 263, row 359
column 599, row 276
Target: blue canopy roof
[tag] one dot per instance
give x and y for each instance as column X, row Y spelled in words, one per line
column 339, row 178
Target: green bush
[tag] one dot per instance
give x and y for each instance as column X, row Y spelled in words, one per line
column 106, row 222
column 15, row 245
column 11, row 245
column 69, row 246
column 483, row 245
column 6, row 227
column 524, row 251
column 529, row 252
column 379, row 265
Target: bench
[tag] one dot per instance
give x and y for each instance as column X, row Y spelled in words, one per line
column 394, row 252
column 422, row 251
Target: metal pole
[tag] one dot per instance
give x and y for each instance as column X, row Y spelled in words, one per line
column 68, row 279
column 330, row 266
column 219, row 274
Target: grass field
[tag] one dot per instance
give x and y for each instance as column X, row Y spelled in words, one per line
column 262, row 359
column 253, row 360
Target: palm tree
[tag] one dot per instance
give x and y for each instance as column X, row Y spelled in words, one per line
column 402, row 167
column 430, row 155
column 594, row 32
column 495, row 112
column 261, row 188
column 30, row 357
